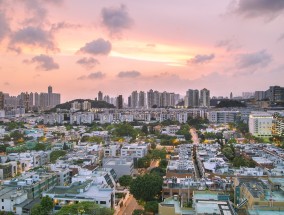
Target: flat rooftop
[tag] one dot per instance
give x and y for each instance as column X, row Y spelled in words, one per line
column 176, row 204
column 93, row 190
column 277, row 196
column 265, row 212
column 206, row 196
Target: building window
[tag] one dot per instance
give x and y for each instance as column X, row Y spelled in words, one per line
column 102, row 202
column 2, row 200
column 2, row 207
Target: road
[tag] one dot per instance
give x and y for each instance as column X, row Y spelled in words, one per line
column 194, row 135
column 195, row 141
column 153, row 164
column 131, row 205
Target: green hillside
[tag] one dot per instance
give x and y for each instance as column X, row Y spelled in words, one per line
column 94, row 104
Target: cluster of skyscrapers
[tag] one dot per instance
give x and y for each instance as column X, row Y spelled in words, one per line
column 30, row 101
column 138, row 99
column 152, row 99
column 194, row 98
column 273, row 94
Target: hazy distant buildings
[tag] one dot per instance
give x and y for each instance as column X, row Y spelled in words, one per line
column 275, row 94
column 107, row 99
column 259, row 95
column 76, row 106
column 86, row 105
column 222, row 116
column 150, row 98
column 142, row 99
column 247, row 95
column 119, row 102
column 29, row 101
column 1, row 101
column 204, row 98
column 100, row 96
column 134, row 99
column 192, row 98
column 25, row 101
column 157, row 99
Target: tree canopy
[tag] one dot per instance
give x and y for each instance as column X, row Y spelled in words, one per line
column 125, row 180
column 94, row 104
column 54, row 155
column 146, row 187
column 230, row 103
column 125, row 129
column 84, row 208
column 44, row 207
column 152, row 206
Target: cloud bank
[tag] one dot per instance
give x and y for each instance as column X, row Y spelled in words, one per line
column 116, row 19
column 201, row 59
column 92, row 76
column 128, row 74
column 97, row 47
column 44, row 62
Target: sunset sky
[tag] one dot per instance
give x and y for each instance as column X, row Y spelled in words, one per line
column 81, row 47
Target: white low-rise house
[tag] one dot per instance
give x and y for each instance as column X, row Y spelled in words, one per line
column 182, row 163
column 34, row 133
column 105, row 176
column 134, row 150
column 170, row 130
column 122, row 166
column 277, row 171
column 96, row 186
column 215, row 164
column 63, row 174
column 263, row 161
column 111, row 150
column 185, row 166
column 11, row 198
column 30, row 160
column 8, row 170
column 88, row 190
column 245, row 171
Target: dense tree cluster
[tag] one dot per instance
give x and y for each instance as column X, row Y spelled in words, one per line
column 54, row 155
column 184, row 130
column 89, row 208
column 197, row 122
column 230, row 103
column 146, row 187
column 94, row 104
column 155, row 154
column 124, row 130
column 44, row 207
column 125, row 180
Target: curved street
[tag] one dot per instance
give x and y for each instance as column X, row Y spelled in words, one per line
column 195, row 141
column 130, row 205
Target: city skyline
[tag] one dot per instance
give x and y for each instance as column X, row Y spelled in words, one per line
column 236, row 46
